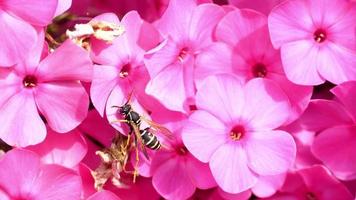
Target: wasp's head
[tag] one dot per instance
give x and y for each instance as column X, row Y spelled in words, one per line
column 125, row 109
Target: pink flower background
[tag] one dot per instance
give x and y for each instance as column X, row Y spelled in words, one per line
column 259, row 97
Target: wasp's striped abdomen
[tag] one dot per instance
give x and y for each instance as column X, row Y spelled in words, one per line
column 150, row 140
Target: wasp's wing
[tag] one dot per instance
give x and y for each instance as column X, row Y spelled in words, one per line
column 139, row 139
column 158, row 129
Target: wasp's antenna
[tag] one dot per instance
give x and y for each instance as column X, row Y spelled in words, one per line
column 129, row 97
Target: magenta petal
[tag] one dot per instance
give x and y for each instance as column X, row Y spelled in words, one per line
column 268, row 106
column 68, row 62
column 230, row 170
column 200, row 173
column 12, row 50
column 64, row 184
column 346, row 93
column 17, row 128
column 172, row 181
column 104, row 80
column 64, row 105
column 104, row 194
column 331, row 146
column 270, row 153
column 168, row 80
column 224, row 90
column 63, row 149
column 201, row 138
column 36, row 12
column 19, row 170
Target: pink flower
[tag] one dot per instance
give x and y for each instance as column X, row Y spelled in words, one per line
column 50, row 87
column 312, row 183
column 187, row 31
column 233, row 130
column 247, row 52
column 17, row 18
column 317, row 40
column 23, row 176
column 339, row 139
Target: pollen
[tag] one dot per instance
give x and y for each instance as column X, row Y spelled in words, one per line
column 183, row 54
column 319, row 36
column 125, row 71
column 29, row 81
column 237, row 133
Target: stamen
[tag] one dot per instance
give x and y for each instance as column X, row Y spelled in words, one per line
column 125, row 71
column 237, row 132
column 30, row 81
column 319, row 36
column 259, row 70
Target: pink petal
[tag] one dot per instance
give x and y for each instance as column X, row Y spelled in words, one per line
column 18, row 180
column 331, row 146
column 63, row 149
column 223, row 90
column 202, row 27
column 270, row 153
column 68, row 62
column 36, row 12
column 107, row 17
column 64, row 104
column 268, row 105
column 17, row 128
column 238, row 24
column 301, row 63
column 168, row 80
column 12, row 50
column 239, row 196
column 290, row 21
column 268, row 185
column 201, row 138
column 200, row 173
column 329, row 114
column 229, row 167
column 34, row 57
column 87, row 180
column 4, row 196
column 104, row 81
column 346, row 93
column 176, row 19
column 62, row 6
column 172, row 181
column 64, row 184
column 104, row 194
column 336, row 63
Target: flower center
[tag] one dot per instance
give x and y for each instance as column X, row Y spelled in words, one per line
column 29, row 81
column 310, row 196
column 193, row 107
column 182, row 151
column 183, row 54
column 259, row 70
column 237, row 133
column 319, row 36
column 125, row 70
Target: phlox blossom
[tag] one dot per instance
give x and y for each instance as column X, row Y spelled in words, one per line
column 50, row 86
column 233, row 130
column 317, row 40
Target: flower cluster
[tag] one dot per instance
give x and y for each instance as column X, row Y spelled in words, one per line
column 177, row 99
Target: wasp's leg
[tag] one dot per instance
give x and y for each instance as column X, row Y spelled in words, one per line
column 120, row 120
column 127, row 141
column 136, row 166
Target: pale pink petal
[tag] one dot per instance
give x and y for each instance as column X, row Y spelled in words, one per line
column 301, row 62
column 201, row 138
column 239, row 24
column 172, row 181
column 176, row 19
column 270, row 153
column 10, row 84
column 168, row 80
column 35, row 55
column 104, row 194
column 258, row 5
column 57, row 183
column 63, row 149
column 239, row 196
column 221, row 95
column 336, row 63
column 4, row 196
column 15, row 37
column 68, row 62
column 290, row 21
column 328, row 114
column 331, row 146
column 36, row 12
column 321, row 182
column 268, row 185
column 104, row 80
column 230, row 170
column 19, row 170
column 346, row 93
column 107, row 17
column 268, row 106
column 19, row 129
column 200, row 173
column 62, row 6
column 63, row 104
column 202, row 27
